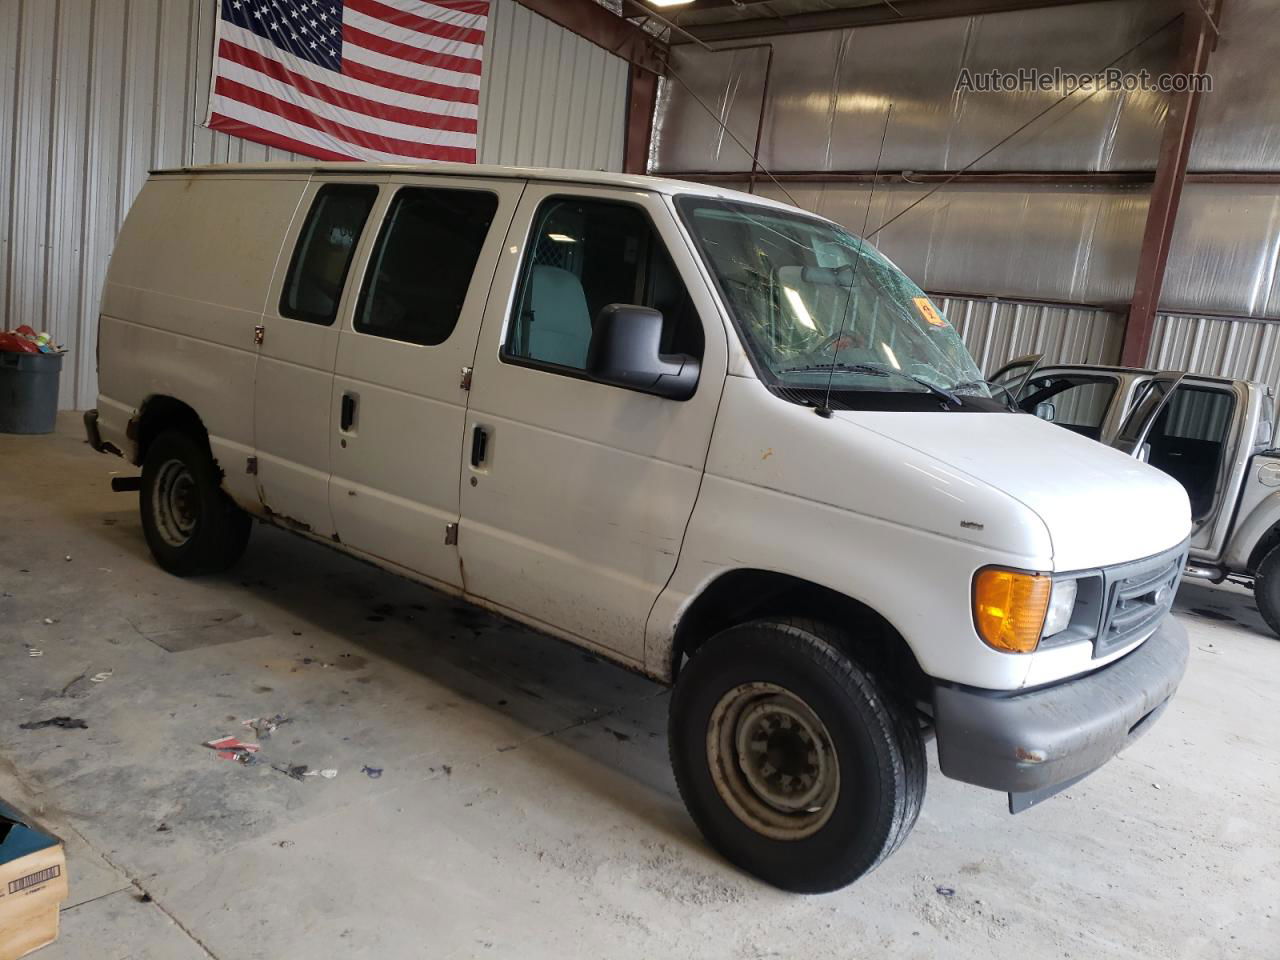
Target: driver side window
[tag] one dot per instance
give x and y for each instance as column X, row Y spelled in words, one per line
column 582, row 256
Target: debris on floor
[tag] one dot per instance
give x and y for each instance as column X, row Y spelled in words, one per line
column 65, row 723
column 265, row 726
column 945, row 891
column 296, row 772
column 373, row 773
column 100, row 677
column 328, row 774
column 233, row 748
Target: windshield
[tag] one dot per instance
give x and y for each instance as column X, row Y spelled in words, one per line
column 814, row 302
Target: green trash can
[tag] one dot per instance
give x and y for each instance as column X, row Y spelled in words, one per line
column 29, row 392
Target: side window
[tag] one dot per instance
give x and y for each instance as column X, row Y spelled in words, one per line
column 1079, row 402
column 421, row 267
column 318, row 270
column 584, row 255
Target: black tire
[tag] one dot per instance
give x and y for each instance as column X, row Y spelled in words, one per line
column 191, row 525
column 879, row 753
column 1266, row 589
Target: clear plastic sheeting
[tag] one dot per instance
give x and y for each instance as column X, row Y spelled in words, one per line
column 1070, row 244
column 1225, row 252
column 829, row 93
column 1236, row 347
column 997, row 331
column 731, row 85
column 1238, row 127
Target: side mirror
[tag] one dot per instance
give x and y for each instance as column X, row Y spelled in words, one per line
column 624, row 351
column 1046, row 411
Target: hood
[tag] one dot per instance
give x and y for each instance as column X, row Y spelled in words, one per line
column 1099, row 505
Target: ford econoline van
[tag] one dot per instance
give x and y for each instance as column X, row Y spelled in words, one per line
column 719, row 440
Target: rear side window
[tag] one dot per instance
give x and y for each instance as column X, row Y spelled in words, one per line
column 322, row 257
column 421, row 267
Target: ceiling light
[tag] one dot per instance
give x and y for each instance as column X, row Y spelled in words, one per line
column 561, row 238
column 669, row 3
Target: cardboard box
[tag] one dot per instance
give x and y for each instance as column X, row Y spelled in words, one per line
column 33, row 884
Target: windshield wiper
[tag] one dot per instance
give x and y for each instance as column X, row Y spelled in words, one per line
column 876, row 370
column 1009, row 399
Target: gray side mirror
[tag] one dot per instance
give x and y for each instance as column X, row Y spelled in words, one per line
column 1046, row 411
column 624, row 351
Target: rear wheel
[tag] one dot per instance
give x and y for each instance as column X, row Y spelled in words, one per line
column 191, row 525
column 790, row 757
column 1266, row 589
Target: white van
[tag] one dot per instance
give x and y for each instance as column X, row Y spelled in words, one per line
column 716, row 439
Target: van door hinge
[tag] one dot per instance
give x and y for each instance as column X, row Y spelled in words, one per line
column 251, row 465
column 465, row 382
column 450, row 534
column 259, row 333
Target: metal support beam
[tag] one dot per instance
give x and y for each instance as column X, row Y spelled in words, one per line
column 593, row 22
column 901, row 11
column 642, row 97
column 891, row 177
column 1198, row 35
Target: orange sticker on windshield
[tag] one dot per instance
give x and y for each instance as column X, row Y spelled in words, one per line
column 929, row 311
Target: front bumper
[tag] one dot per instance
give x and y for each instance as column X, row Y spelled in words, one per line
column 1035, row 743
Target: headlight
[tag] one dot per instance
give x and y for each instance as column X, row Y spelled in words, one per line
column 1061, row 605
column 1009, row 608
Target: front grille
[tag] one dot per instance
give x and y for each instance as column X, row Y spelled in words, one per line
column 1137, row 595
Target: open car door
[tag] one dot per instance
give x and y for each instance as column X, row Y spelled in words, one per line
column 1132, row 436
column 1016, row 374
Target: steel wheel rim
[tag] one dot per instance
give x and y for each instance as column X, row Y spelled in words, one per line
column 176, row 504
column 772, row 761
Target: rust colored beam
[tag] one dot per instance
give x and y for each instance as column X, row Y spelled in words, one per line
column 902, row 11
column 593, row 22
column 642, row 96
column 1166, row 191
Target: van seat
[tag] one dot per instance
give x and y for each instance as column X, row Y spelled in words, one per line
column 560, row 325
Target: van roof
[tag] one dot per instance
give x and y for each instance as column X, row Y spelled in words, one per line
column 492, row 171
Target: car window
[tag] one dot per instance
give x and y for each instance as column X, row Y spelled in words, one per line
column 1078, row 402
column 322, row 255
column 421, row 266
column 584, row 255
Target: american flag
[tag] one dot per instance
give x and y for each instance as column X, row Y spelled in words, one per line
column 378, row 80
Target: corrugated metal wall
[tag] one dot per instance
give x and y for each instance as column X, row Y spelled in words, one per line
column 93, row 93
column 549, row 98
column 1220, row 346
column 997, row 331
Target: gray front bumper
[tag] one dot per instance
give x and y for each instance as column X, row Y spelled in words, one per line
column 1034, row 742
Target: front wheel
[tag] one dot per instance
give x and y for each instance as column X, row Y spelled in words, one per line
column 791, row 759
column 191, row 525
column 1266, row 589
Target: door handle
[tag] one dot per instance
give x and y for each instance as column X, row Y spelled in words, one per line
column 348, row 411
column 479, row 445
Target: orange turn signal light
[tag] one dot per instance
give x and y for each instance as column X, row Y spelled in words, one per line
column 1009, row 608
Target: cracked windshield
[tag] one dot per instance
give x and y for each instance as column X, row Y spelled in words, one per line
column 807, row 299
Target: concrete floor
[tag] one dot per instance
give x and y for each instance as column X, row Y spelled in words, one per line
column 525, row 807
